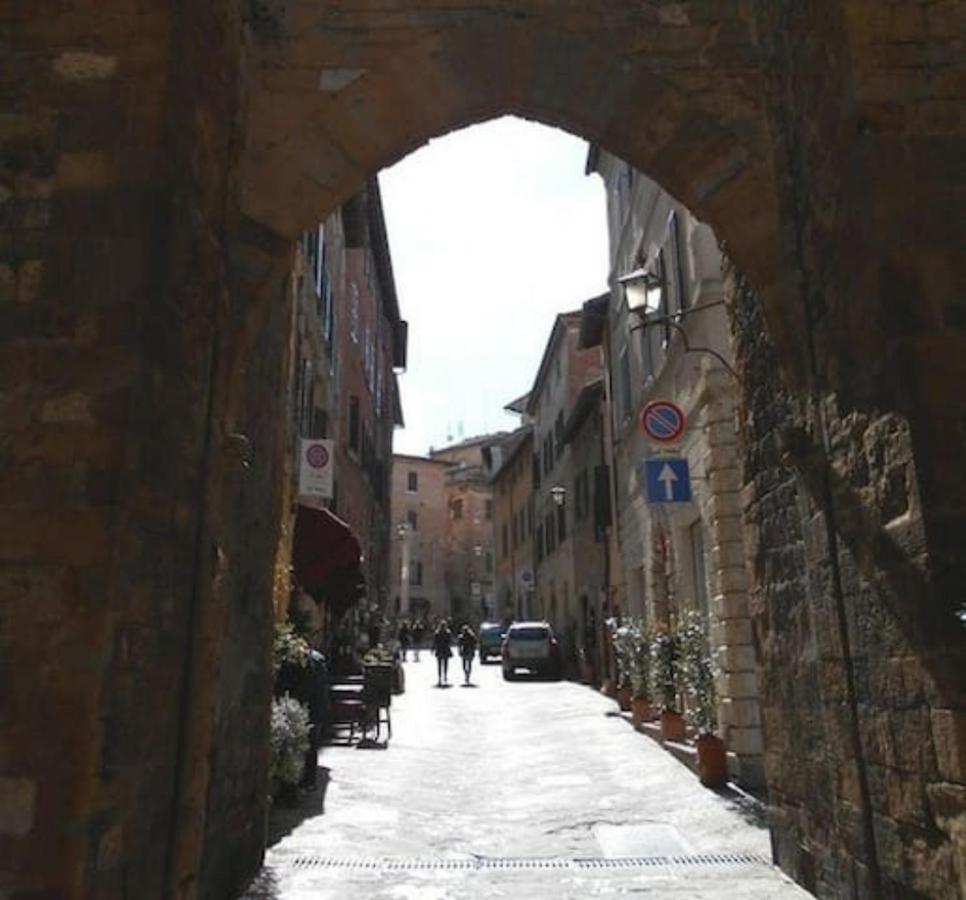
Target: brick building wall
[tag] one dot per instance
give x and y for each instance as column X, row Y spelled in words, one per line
column 513, row 516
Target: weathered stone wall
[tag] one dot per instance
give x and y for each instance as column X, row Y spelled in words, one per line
column 137, row 481
column 824, row 737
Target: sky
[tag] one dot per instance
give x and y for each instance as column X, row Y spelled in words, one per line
column 493, row 230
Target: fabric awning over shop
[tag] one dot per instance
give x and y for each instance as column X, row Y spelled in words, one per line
column 326, row 558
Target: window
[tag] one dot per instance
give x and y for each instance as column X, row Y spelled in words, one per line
column 561, row 524
column 412, row 482
column 416, row 574
column 505, row 542
column 535, row 474
column 320, row 423
column 549, row 532
column 413, row 519
column 602, row 510
column 699, row 568
column 488, row 509
column 677, row 300
column 354, row 313
column 514, row 532
column 548, row 457
column 558, row 430
column 354, row 424
column 625, row 382
column 457, row 509
column 488, row 561
column 539, row 542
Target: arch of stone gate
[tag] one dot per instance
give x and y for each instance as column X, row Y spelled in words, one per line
column 158, row 160
column 678, row 90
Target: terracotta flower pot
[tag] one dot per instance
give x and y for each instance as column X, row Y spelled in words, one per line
column 712, row 761
column 641, row 710
column 672, row 726
column 624, row 698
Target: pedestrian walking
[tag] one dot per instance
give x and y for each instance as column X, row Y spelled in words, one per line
column 418, row 633
column 404, row 637
column 442, row 648
column 467, row 643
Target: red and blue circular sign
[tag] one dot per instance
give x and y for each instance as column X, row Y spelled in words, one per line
column 317, row 456
column 663, row 421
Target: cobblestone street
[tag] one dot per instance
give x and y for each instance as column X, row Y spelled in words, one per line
column 512, row 790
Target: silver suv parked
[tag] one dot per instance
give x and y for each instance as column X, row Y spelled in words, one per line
column 531, row 646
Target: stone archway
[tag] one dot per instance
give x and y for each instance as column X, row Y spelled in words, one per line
column 158, row 161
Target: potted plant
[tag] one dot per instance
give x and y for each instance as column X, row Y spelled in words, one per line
column 289, row 739
column 623, row 640
column 641, row 710
column 289, row 648
column 698, row 673
column 664, row 678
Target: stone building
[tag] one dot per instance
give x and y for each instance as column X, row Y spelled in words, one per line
column 588, row 502
column 420, row 516
column 564, row 373
column 513, row 513
column 369, row 346
column 688, row 554
column 470, row 558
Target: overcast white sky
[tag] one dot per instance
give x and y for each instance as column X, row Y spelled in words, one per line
column 493, row 230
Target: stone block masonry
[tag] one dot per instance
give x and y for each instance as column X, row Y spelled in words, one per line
column 811, row 762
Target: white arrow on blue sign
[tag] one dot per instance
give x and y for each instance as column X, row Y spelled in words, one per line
column 668, row 480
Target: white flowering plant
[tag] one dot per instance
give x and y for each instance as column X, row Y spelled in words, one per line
column 289, row 740
column 289, row 648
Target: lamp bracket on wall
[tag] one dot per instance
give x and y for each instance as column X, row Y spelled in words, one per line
column 674, row 321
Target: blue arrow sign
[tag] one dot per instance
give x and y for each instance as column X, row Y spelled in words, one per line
column 668, row 480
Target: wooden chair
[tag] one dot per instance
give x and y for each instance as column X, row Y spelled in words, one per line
column 377, row 692
column 350, row 708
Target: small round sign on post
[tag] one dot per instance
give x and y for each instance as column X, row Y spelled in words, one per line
column 317, row 456
column 663, row 421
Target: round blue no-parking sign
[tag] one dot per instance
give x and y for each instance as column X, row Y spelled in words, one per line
column 663, row 421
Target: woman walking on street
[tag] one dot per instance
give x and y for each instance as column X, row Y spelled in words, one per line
column 417, row 635
column 442, row 640
column 467, row 645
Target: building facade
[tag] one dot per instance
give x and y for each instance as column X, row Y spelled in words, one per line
column 420, row 515
column 564, row 373
column 350, row 342
column 513, row 513
column 690, row 554
column 470, row 557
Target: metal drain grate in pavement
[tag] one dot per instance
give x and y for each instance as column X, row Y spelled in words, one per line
column 508, row 864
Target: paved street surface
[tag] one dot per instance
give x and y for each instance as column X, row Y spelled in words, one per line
column 527, row 789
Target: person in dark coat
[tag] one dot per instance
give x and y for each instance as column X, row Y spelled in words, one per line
column 404, row 636
column 467, row 644
column 443, row 650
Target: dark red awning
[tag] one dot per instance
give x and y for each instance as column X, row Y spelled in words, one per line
column 323, row 546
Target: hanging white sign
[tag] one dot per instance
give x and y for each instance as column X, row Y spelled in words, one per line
column 316, row 463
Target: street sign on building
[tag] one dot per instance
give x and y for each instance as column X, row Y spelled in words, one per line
column 663, row 421
column 316, row 464
column 667, row 479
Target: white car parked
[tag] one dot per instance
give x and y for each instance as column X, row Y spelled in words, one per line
column 531, row 646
